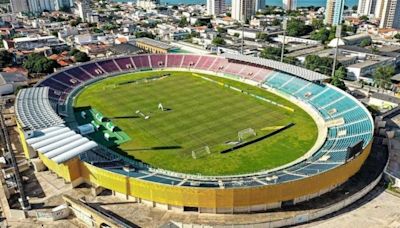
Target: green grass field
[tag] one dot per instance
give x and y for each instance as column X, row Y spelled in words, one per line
column 200, row 113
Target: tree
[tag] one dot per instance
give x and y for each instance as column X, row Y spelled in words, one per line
column 354, row 8
column 144, row 34
column 397, row 36
column 319, row 64
column 81, row 57
column 365, row 42
column 337, row 79
column 297, row 27
column 221, row 30
column 317, row 23
column 382, row 76
column 236, row 34
column 36, row 63
column 262, row 36
column 218, row 41
column 183, row 22
column 276, row 22
column 323, row 35
column 364, row 18
column 5, row 58
column 271, row 53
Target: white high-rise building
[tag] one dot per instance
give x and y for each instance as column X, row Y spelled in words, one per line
column 334, row 12
column 245, row 9
column 38, row 6
column 390, row 14
column 289, row 4
column 82, row 9
column 215, row 7
column 366, row 7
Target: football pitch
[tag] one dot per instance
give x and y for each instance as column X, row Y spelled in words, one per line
column 197, row 114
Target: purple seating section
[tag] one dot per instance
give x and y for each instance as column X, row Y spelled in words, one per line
column 190, row 60
column 63, row 82
column 109, row 66
column 205, row 62
column 125, row 63
column 157, row 61
column 79, row 74
column 91, row 68
column 141, row 61
column 66, row 79
column 174, row 61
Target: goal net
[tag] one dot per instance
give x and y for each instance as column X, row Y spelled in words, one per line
column 246, row 134
column 201, row 152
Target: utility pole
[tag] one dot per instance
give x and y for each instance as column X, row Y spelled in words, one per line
column 242, row 46
column 338, row 36
column 284, row 26
column 11, row 157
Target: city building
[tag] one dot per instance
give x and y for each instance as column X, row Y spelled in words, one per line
column 390, row 17
column 38, row 6
column 215, row 7
column 82, row 9
column 243, row 10
column 31, row 43
column 147, row 4
column 289, row 4
column 18, row 6
column 153, row 46
column 9, row 82
column 334, row 12
column 366, row 7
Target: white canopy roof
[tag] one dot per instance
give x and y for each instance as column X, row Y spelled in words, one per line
column 33, row 109
column 60, row 144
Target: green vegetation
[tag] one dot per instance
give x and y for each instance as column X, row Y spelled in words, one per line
column 144, row 34
column 36, row 63
column 5, row 58
column 79, row 56
column 297, row 27
column 319, row 64
column 218, row 41
column 271, row 53
column 364, row 18
column 365, row 42
column 200, row 113
column 337, row 79
column 183, row 22
column 382, row 76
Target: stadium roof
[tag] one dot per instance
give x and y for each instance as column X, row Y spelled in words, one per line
column 154, row 43
column 60, row 143
column 34, row 110
column 291, row 69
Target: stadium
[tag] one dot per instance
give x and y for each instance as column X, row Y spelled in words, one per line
column 186, row 132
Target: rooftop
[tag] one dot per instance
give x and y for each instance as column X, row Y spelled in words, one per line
column 154, row 43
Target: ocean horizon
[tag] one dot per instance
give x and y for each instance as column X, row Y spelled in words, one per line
column 300, row 3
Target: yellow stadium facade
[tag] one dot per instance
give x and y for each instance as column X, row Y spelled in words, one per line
column 208, row 200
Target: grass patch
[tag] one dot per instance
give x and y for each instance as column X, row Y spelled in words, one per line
column 200, row 113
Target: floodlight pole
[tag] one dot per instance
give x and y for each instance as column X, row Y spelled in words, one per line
column 338, row 36
column 284, row 26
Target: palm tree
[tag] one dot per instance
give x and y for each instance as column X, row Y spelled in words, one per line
column 382, row 76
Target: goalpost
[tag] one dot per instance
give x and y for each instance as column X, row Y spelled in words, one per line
column 246, row 133
column 201, row 152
